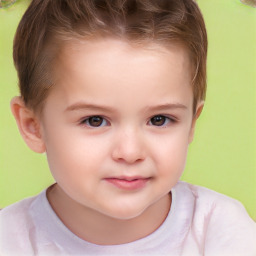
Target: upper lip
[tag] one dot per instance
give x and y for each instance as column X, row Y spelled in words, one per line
column 129, row 178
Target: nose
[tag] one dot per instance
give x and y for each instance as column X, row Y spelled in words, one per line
column 129, row 147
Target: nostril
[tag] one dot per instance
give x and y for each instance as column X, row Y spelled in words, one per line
column 128, row 156
column 129, row 148
column 128, row 159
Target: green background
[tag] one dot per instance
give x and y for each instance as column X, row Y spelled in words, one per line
column 223, row 154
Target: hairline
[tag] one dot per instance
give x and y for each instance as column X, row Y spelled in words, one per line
column 57, row 43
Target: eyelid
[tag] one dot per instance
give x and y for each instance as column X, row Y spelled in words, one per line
column 171, row 119
column 84, row 119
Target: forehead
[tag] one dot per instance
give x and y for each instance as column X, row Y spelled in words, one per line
column 94, row 67
column 114, row 47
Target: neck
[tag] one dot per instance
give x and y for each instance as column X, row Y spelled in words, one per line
column 97, row 228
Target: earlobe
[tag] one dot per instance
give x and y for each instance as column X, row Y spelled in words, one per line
column 28, row 125
column 199, row 109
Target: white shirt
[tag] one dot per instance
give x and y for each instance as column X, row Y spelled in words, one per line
column 200, row 222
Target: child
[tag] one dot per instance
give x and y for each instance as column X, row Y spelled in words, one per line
column 111, row 91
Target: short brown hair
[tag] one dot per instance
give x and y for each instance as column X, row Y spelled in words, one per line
column 47, row 22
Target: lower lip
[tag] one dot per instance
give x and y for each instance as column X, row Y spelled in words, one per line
column 128, row 184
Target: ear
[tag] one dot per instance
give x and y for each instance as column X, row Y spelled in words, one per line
column 28, row 124
column 199, row 109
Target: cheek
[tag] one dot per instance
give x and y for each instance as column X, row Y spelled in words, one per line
column 71, row 165
column 72, row 154
column 172, row 155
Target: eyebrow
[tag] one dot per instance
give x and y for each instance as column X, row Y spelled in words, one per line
column 84, row 105
column 167, row 106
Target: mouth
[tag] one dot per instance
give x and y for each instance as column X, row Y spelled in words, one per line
column 128, row 183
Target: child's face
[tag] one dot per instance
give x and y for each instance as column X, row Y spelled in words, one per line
column 117, row 124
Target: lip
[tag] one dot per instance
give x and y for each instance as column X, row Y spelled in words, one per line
column 128, row 183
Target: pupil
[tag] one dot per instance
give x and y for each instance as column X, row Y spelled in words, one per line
column 95, row 121
column 158, row 120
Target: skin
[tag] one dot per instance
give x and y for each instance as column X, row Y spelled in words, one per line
column 142, row 99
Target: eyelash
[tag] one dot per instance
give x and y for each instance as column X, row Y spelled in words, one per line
column 85, row 121
column 104, row 122
column 168, row 119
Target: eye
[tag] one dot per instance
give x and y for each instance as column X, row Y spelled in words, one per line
column 94, row 121
column 160, row 120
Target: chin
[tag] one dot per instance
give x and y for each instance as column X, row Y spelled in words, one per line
column 125, row 213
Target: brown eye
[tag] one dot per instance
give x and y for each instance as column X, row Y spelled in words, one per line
column 159, row 120
column 95, row 121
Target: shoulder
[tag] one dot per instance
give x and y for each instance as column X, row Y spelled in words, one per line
column 222, row 222
column 210, row 201
column 221, row 207
column 213, row 202
column 17, row 212
column 16, row 226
